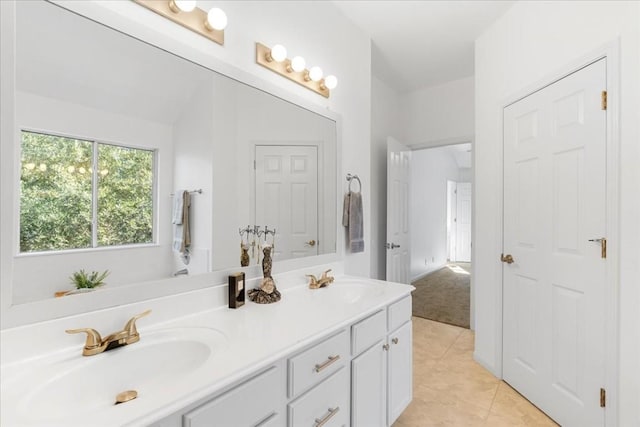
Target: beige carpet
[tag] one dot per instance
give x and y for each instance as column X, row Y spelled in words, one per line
column 443, row 295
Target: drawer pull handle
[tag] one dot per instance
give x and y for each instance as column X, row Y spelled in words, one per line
column 394, row 340
column 326, row 418
column 330, row 360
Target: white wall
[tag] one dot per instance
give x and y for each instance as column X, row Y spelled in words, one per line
column 516, row 53
column 193, row 136
column 430, row 170
column 385, row 121
column 439, row 115
column 135, row 264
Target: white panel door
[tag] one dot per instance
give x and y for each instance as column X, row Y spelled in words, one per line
column 398, row 239
column 287, row 197
column 554, row 204
column 463, row 222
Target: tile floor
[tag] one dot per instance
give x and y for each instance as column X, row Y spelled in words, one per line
column 450, row 389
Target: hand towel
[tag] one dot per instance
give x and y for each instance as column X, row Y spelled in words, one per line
column 356, row 228
column 182, row 232
column 178, row 199
column 345, row 210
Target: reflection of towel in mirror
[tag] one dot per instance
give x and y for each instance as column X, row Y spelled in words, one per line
column 353, row 220
column 182, row 232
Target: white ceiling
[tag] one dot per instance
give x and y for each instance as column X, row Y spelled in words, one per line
column 422, row 43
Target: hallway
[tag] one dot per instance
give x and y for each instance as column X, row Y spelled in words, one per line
column 450, row 389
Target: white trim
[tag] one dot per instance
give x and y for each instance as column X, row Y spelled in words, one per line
column 464, row 139
column 610, row 51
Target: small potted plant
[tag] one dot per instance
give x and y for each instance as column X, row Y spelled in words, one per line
column 87, row 282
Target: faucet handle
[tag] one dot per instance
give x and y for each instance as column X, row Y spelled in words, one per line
column 324, row 275
column 130, row 327
column 94, row 340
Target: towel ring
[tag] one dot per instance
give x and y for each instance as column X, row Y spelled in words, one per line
column 350, row 178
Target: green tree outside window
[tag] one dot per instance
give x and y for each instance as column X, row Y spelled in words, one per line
column 56, row 194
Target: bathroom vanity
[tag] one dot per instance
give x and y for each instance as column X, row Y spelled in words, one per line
column 334, row 356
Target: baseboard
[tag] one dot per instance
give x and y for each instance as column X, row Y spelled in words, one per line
column 489, row 367
column 427, row 272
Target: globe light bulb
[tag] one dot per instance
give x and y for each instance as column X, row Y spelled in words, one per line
column 183, row 5
column 331, row 82
column 278, row 53
column 298, row 63
column 216, row 19
column 315, row 74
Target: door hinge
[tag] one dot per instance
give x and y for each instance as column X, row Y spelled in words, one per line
column 603, row 398
column 604, row 99
column 254, row 165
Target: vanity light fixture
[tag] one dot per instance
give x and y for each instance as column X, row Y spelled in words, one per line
column 275, row 59
column 186, row 13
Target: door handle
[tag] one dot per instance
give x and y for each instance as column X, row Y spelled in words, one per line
column 506, row 258
column 392, row 246
column 311, row 243
column 603, row 245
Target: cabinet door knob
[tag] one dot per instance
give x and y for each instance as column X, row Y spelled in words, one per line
column 395, row 340
column 330, row 360
column 385, row 347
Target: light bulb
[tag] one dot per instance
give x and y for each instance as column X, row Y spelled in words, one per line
column 216, row 19
column 182, row 5
column 298, row 64
column 278, row 53
column 315, row 74
column 331, row 82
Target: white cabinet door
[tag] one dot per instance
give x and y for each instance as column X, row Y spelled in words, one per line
column 368, row 393
column 400, row 370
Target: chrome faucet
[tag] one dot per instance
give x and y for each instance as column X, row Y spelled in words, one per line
column 325, row 280
column 95, row 344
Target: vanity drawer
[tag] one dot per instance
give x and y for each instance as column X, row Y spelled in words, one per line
column 399, row 313
column 368, row 331
column 231, row 408
column 317, row 363
column 328, row 402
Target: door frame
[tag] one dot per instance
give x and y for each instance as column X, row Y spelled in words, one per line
column 610, row 51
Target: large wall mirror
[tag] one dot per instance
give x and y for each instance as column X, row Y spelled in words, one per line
column 107, row 132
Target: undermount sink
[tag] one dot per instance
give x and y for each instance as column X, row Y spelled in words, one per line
column 347, row 292
column 353, row 292
column 86, row 385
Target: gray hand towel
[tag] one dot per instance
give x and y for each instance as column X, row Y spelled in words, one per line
column 345, row 210
column 356, row 229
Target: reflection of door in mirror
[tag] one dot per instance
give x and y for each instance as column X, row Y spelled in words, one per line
column 287, row 197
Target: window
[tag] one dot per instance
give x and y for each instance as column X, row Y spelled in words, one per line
column 78, row 194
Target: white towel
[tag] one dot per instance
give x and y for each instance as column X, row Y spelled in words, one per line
column 178, row 206
column 354, row 221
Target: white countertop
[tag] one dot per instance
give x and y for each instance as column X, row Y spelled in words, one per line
column 256, row 336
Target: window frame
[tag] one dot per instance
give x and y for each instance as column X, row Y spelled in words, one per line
column 94, row 195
